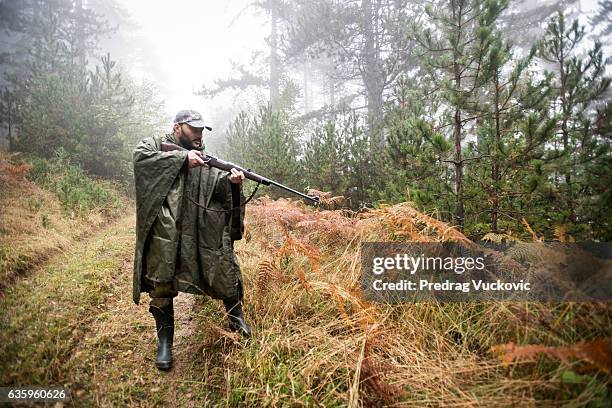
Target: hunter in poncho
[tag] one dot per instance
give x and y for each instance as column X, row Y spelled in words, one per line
column 188, row 216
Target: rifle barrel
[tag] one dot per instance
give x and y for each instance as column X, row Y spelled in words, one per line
column 314, row 199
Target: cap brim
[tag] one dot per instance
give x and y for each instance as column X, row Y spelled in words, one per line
column 198, row 124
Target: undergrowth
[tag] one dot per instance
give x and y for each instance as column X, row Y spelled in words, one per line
column 76, row 191
column 317, row 341
column 320, row 343
column 46, row 205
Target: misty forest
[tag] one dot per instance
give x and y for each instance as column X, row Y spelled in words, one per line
column 413, row 121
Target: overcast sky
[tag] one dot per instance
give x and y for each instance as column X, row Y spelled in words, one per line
column 193, row 41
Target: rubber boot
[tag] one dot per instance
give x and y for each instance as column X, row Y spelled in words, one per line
column 164, row 323
column 237, row 322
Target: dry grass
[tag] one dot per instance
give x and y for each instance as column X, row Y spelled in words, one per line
column 319, row 343
column 316, row 343
column 33, row 225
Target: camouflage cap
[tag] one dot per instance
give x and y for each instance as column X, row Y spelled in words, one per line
column 192, row 118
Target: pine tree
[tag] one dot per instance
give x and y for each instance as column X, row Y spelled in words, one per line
column 338, row 158
column 453, row 46
column 268, row 143
column 324, row 160
column 413, row 152
column 365, row 40
column 506, row 148
column 578, row 83
column 58, row 102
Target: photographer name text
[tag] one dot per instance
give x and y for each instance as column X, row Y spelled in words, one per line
column 447, row 285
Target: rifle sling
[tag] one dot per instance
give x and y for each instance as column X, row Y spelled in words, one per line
column 231, row 209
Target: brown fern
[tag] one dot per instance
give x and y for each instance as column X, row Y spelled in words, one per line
column 12, row 170
column 333, row 291
column 373, row 371
column 596, row 353
column 293, row 246
column 266, row 271
column 534, row 236
column 326, row 199
column 365, row 313
column 302, row 278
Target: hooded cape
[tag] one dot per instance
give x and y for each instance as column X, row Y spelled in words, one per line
column 177, row 240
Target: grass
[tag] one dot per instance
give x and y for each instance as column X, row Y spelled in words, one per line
column 319, row 343
column 316, row 343
column 35, row 224
column 48, row 314
column 76, row 191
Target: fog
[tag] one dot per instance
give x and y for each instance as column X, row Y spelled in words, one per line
column 183, row 44
column 190, row 43
column 410, row 121
column 179, row 51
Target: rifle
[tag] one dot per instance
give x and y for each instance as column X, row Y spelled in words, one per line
column 227, row 166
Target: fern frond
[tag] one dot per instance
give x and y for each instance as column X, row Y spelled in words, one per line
column 534, row 236
column 560, row 232
column 499, row 238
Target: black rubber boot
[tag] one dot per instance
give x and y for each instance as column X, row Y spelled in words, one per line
column 164, row 323
column 237, row 322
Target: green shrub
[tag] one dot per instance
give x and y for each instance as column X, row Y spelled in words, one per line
column 76, row 191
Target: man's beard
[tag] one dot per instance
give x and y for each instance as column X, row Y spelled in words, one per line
column 188, row 144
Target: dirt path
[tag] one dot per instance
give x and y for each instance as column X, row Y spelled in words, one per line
column 73, row 323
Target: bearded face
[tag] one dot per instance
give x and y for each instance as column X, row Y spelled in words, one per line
column 189, row 137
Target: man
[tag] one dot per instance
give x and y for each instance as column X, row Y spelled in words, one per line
column 188, row 216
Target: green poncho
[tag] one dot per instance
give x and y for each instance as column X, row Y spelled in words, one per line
column 176, row 240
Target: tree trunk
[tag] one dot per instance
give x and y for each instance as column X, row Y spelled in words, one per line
column 274, row 69
column 459, row 210
column 11, row 138
column 566, row 112
column 372, row 76
column 458, row 170
column 80, row 40
column 306, row 82
column 495, row 170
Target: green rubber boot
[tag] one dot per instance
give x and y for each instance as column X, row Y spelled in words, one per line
column 164, row 323
column 237, row 323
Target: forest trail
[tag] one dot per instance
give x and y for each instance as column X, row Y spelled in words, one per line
column 75, row 313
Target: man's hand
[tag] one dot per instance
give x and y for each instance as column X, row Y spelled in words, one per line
column 195, row 159
column 236, row 176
